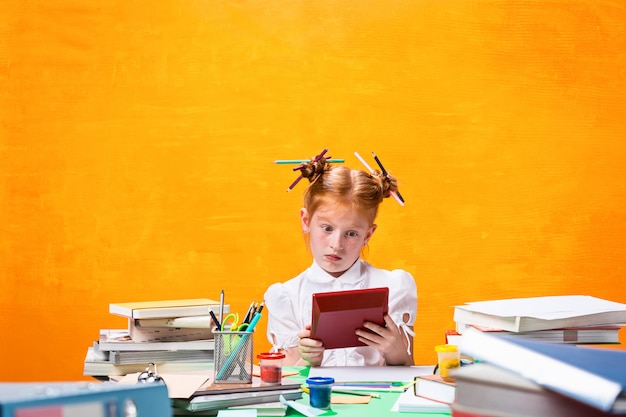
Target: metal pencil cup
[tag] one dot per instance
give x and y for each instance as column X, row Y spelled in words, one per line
column 233, row 357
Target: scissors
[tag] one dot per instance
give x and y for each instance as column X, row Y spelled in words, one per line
column 231, row 324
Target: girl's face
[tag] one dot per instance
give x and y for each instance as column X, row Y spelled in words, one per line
column 337, row 235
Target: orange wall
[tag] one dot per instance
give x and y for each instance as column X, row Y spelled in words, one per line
column 136, row 140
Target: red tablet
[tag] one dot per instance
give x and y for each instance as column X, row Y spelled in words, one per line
column 336, row 315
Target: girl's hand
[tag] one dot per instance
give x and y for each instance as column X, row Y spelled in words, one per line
column 389, row 341
column 311, row 350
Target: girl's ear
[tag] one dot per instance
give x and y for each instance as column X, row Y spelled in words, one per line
column 304, row 220
column 370, row 232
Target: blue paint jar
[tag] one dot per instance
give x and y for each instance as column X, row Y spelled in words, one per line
column 320, row 388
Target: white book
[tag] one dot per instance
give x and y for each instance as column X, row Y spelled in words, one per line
column 95, row 366
column 541, row 313
column 408, row 402
column 165, row 308
column 120, row 340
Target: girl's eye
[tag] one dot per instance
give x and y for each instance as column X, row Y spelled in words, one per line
column 352, row 234
column 327, row 228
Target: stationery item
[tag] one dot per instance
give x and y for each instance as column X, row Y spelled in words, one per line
column 39, row 399
column 448, row 358
column 571, row 335
column 163, row 308
column 216, row 321
column 341, row 390
column 249, row 313
column 483, row 389
column 270, row 364
column 120, row 340
column 143, row 356
column 214, row 396
column 384, row 171
column 233, row 356
column 409, row 402
column 435, row 388
column 593, row 376
column 315, row 159
column 221, row 306
column 302, row 161
column 541, row 313
column 229, row 359
column 319, row 391
column 365, row 164
column 149, row 375
column 351, row 397
column 374, row 378
column 140, row 334
column 337, row 315
column 97, row 366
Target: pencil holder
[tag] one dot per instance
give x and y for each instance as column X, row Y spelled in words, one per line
column 233, row 357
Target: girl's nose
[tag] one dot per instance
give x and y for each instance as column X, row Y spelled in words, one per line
column 335, row 242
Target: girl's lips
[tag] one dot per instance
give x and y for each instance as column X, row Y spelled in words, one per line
column 332, row 257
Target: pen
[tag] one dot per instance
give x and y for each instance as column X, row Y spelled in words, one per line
column 302, row 161
column 215, row 320
column 249, row 313
column 340, row 391
column 258, row 310
column 362, row 393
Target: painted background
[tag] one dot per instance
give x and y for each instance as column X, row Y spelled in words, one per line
column 136, row 140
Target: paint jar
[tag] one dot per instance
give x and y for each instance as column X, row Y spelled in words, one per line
column 320, row 388
column 448, row 357
column 271, row 364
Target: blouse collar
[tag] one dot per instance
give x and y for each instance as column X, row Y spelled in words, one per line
column 352, row 276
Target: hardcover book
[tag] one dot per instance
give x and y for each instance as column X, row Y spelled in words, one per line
column 541, row 313
column 487, row 390
column 435, row 388
column 593, row 376
column 165, row 308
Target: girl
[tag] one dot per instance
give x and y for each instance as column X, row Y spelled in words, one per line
column 340, row 207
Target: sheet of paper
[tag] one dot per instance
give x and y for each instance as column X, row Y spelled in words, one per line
column 547, row 308
column 371, row 373
column 301, row 408
column 178, row 385
column 237, row 413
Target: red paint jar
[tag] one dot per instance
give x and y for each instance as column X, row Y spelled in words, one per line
column 271, row 364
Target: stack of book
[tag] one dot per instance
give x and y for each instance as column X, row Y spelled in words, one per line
column 534, row 358
column 567, row 319
column 177, row 335
column 514, row 377
column 211, row 397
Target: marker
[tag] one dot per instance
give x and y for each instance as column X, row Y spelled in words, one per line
column 216, row 321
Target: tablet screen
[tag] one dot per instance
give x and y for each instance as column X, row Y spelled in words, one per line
column 336, row 315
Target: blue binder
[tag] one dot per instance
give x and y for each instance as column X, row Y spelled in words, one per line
column 83, row 399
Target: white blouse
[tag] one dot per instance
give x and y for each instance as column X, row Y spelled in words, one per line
column 289, row 307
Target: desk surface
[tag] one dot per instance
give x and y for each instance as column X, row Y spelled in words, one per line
column 379, row 407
